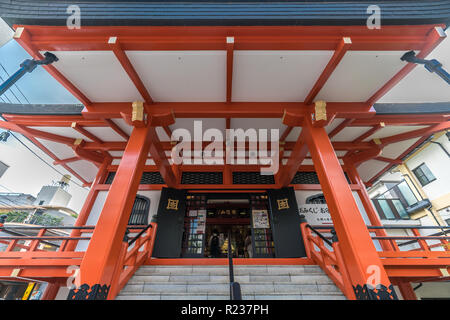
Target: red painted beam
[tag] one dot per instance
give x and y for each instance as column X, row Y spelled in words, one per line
column 85, row 133
column 159, row 157
column 340, row 127
column 394, row 161
column 211, row 37
column 22, row 36
column 379, row 174
column 129, row 69
column 36, row 133
column 362, row 156
column 286, row 132
column 298, row 154
column 116, row 128
column 433, row 39
column 91, row 156
column 402, row 120
column 52, row 120
column 61, row 161
column 168, row 131
column 230, row 55
column 416, row 133
column 339, row 53
column 167, row 146
column 229, row 110
column 368, row 133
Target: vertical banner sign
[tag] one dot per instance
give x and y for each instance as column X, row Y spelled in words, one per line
column 286, row 223
column 28, row 290
column 170, row 220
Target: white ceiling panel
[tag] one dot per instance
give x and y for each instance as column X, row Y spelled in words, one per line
column 392, row 131
column 370, row 168
column 276, row 75
column 258, row 123
column 116, row 153
column 177, row 76
column 60, row 150
column 394, row 150
column 293, row 135
column 360, row 74
column 420, row 85
column 62, row 131
column 123, row 125
column 201, row 125
column 162, row 134
column 349, row 133
column 105, row 133
column 85, row 169
column 333, row 125
column 98, row 75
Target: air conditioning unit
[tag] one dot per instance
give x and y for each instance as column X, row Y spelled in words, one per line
column 418, row 206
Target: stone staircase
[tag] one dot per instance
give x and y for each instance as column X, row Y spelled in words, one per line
column 212, row 283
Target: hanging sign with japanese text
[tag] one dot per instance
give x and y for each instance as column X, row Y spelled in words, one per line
column 316, row 214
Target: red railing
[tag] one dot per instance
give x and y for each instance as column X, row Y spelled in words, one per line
column 328, row 255
column 133, row 254
column 39, row 249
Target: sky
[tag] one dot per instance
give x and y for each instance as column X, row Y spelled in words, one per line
column 27, row 173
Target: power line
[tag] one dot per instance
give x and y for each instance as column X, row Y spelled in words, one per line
column 15, row 84
column 40, row 158
column 62, row 174
column 6, row 188
column 1, row 78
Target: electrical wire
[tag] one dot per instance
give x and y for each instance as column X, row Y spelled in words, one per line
column 15, row 84
column 6, row 188
column 43, row 160
column 1, row 78
column 40, row 158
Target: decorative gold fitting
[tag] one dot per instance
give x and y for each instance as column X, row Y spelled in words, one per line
column 320, row 110
column 137, row 113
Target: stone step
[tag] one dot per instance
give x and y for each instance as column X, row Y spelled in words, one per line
column 223, row 288
column 260, row 282
column 223, row 270
column 274, row 296
column 197, row 278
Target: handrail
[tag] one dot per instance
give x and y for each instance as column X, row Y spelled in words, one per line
column 131, row 259
column 330, row 260
column 139, row 234
column 408, row 227
column 235, row 288
column 320, row 235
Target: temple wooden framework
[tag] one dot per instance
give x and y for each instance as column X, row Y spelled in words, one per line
column 125, row 136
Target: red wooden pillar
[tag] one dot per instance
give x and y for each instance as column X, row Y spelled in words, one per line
column 51, row 291
column 102, row 254
column 367, row 274
column 407, row 291
column 367, row 203
column 88, row 203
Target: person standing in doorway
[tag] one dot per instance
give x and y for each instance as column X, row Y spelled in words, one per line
column 214, row 244
column 248, row 244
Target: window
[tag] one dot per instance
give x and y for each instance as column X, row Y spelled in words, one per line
column 424, row 174
column 139, row 213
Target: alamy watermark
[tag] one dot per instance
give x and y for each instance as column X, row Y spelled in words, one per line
column 239, row 146
column 74, row 19
column 374, row 20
